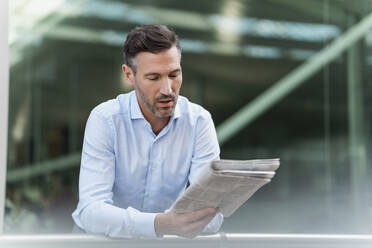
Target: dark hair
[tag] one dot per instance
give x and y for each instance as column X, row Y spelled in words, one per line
column 151, row 38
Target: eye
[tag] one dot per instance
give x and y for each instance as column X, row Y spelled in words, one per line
column 153, row 78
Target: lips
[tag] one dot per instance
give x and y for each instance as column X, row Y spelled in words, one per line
column 164, row 103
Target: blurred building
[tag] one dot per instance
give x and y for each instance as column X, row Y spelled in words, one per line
column 66, row 56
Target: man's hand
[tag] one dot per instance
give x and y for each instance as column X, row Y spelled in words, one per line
column 186, row 225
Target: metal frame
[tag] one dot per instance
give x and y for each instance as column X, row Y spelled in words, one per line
column 217, row 240
column 357, row 139
column 290, row 82
column 4, row 93
column 43, row 168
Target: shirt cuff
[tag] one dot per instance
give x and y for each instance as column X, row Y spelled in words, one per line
column 144, row 225
column 214, row 225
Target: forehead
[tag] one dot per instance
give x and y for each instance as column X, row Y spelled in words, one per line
column 162, row 62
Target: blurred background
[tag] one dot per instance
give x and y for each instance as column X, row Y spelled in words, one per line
column 66, row 56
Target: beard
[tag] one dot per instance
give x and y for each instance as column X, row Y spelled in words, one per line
column 161, row 112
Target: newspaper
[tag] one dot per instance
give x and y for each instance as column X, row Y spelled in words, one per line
column 226, row 184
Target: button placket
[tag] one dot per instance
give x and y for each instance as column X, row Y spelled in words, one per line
column 151, row 168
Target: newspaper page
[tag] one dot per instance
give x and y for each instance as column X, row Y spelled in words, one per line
column 226, row 184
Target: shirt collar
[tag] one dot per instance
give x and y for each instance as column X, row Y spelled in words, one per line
column 136, row 113
column 177, row 111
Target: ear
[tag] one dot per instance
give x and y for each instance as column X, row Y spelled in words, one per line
column 128, row 74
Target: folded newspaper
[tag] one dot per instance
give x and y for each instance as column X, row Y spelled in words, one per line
column 226, row 184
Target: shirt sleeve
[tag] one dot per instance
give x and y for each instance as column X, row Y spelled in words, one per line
column 95, row 212
column 206, row 149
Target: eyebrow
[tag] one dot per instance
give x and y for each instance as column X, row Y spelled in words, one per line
column 152, row 74
column 158, row 74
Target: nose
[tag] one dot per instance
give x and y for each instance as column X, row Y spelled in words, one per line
column 166, row 86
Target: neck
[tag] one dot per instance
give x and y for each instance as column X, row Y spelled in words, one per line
column 157, row 123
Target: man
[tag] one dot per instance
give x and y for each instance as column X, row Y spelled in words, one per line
column 141, row 148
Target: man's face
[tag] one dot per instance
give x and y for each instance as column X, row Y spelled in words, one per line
column 157, row 81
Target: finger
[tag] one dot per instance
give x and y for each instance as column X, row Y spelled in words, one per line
column 200, row 224
column 200, row 214
column 195, row 228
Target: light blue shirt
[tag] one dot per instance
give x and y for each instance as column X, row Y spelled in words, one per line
column 128, row 174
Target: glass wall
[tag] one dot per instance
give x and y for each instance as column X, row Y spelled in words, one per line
column 66, row 56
